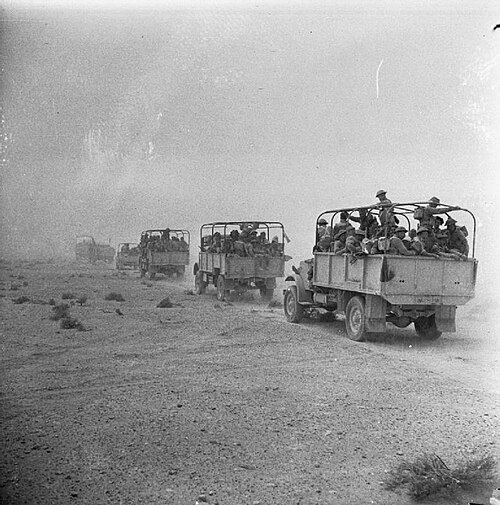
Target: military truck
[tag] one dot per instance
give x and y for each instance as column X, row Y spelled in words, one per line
column 127, row 256
column 239, row 256
column 372, row 290
column 164, row 251
column 87, row 249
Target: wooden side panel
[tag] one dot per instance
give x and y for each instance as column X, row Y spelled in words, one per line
column 169, row 258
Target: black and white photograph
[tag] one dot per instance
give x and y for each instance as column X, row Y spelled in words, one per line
column 249, row 252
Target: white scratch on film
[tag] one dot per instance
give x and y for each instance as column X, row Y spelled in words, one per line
column 378, row 70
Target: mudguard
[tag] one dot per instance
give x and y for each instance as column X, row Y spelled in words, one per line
column 304, row 295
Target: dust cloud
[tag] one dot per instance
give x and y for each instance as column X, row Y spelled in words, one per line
column 116, row 121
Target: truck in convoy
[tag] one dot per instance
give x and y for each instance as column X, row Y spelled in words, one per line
column 240, row 255
column 375, row 286
column 127, row 256
column 164, row 251
column 87, row 249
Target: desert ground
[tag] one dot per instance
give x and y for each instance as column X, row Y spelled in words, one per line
column 225, row 402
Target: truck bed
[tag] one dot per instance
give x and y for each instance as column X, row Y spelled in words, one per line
column 401, row 280
column 242, row 267
column 170, row 258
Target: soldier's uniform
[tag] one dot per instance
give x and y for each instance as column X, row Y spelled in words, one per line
column 340, row 242
column 397, row 245
column 353, row 243
column 342, row 225
column 456, row 239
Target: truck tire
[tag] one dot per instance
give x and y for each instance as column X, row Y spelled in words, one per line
column 222, row 292
column 426, row 328
column 199, row 284
column 355, row 320
column 294, row 312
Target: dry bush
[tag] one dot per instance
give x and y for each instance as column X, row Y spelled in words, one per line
column 81, row 299
column 429, row 474
column 114, row 296
column 69, row 323
column 52, row 301
column 68, row 296
column 20, row 299
column 165, row 303
column 60, row 311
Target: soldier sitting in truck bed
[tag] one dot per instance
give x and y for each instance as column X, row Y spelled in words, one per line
column 456, row 239
column 339, row 244
column 397, row 245
column 443, row 249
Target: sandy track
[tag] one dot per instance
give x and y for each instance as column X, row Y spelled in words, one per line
column 224, row 399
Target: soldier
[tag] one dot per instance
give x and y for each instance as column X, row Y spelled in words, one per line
column 367, row 221
column 444, row 251
column 425, row 215
column 340, row 242
column 353, row 241
column 324, row 243
column 456, row 239
column 436, row 227
column 342, row 224
column 275, row 248
column 322, row 228
column 388, row 220
column 263, row 239
column 424, row 245
column 397, row 245
column 382, row 196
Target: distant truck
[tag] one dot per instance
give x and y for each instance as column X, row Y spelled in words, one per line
column 127, row 256
column 87, row 249
column 164, row 251
column 239, row 256
column 375, row 289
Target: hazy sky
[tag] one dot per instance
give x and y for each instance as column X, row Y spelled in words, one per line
column 115, row 121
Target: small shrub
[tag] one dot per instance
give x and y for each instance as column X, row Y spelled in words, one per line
column 429, row 475
column 81, row 300
column 59, row 311
column 68, row 296
column 21, row 299
column 69, row 323
column 52, row 301
column 165, row 303
column 114, row 296
column 14, row 286
column 189, row 292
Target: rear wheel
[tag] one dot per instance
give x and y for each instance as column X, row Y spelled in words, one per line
column 355, row 322
column 199, row 284
column 294, row 312
column 426, row 328
column 222, row 292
